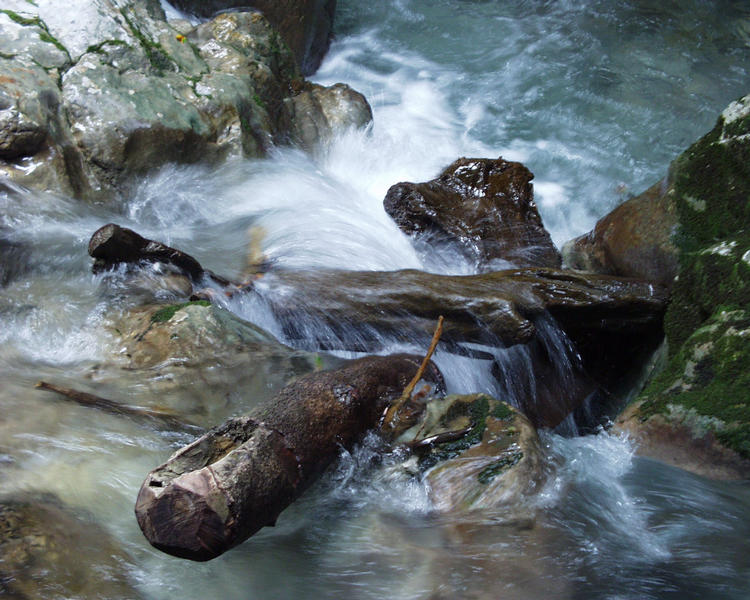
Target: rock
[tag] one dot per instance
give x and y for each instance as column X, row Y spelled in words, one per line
column 48, row 552
column 608, row 324
column 497, row 461
column 634, row 240
column 228, row 484
column 700, row 401
column 318, row 112
column 485, row 208
column 90, row 103
column 198, row 361
column 305, row 25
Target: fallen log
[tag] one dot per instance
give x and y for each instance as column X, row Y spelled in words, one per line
column 237, row 478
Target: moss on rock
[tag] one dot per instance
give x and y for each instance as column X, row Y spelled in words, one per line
column 165, row 314
column 704, row 390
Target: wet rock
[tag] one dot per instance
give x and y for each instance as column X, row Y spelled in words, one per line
column 48, row 552
column 496, row 461
column 492, row 308
column 485, row 208
column 305, row 25
column 634, row 240
column 14, row 260
column 228, row 484
column 700, row 400
column 90, row 103
column 319, row 112
column 608, row 324
column 198, row 361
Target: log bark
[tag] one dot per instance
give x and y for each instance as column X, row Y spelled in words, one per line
column 237, row 478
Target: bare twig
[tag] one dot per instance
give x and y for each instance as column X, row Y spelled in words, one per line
column 406, row 395
column 112, row 407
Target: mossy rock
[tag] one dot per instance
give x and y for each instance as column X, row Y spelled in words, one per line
column 493, row 458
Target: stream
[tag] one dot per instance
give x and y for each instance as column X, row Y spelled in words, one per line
column 596, row 98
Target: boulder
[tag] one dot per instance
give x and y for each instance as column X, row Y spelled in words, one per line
column 701, row 398
column 479, row 453
column 49, row 552
column 484, row 208
column 634, row 240
column 216, row 492
column 601, row 326
column 317, row 113
column 197, row 361
column 306, row 26
column 87, row 104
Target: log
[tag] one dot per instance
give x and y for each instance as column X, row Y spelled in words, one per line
column 237, row 478
column 112, row 245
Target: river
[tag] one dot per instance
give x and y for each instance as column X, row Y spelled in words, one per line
column 596, row 98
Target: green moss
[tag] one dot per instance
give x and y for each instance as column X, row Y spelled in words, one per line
column 157, row 55
column 710, row 377
column 165, row 314
column 259, row 101
column 497, row 467
column 502, row 411
column 100, row 47
column 477, row 410
column 45, row 35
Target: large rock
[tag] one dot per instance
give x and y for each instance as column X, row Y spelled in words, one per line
column 701, row 399
column 485, row 208
column 87, row 103
column 634, row 240
column 305, row 25
column 48, row 552
column 197, row 361
column 606, row 322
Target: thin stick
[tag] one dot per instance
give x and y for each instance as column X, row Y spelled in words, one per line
column 110, row 406
column 396, row 406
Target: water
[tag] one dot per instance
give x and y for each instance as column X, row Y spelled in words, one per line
column 595, row 98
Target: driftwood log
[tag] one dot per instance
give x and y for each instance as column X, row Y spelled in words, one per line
column 238, row 477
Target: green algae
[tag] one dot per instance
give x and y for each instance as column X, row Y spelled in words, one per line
column 499, row 466
column 44, row 34
column 165, row 314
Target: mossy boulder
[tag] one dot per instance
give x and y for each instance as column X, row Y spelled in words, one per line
column 491, row 455
column 704, row 390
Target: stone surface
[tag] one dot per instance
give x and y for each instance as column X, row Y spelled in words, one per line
column 197, row 361
column 498, row 461
column 305, row 25
column 48, row 552
column 634, row 240
column 228, row 484
column 96, row 95
column 703, row 389
column 485, row 208
column 318, row 112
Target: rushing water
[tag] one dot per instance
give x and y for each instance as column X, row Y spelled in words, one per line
column 595, row 98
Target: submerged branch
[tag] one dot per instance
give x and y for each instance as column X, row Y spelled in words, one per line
column 115, row 408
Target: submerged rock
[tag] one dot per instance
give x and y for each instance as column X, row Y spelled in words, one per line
column 87, row 105
column 198, row 361
column 701, row 400
column 634, row 240
column 47, row 552
column 305, row 25
column 485, row 208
